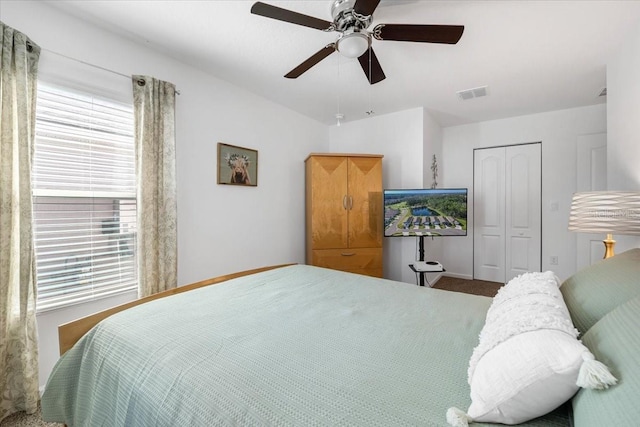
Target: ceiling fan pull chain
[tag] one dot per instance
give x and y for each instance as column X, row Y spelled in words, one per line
column 338, row 84
column 370, row 110
column 370, row 78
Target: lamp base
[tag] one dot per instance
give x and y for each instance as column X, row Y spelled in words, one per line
column 609, row 244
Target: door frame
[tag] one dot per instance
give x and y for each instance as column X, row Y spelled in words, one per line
column 473, row 236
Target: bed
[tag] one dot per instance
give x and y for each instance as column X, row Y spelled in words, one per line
column 300, row 345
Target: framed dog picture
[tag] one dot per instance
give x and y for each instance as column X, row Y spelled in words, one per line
column 237, row 165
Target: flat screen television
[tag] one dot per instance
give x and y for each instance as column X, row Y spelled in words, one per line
column 425, row 212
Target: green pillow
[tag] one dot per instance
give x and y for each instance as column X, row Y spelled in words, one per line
column 615, row 341
column 596, row 290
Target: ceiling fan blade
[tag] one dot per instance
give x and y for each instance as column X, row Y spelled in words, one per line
column 313, row 60
column 371, row 66
column 449, row 34
column 286, row 15
column 366, row 7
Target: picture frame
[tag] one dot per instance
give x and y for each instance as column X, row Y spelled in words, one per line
column 237, row 165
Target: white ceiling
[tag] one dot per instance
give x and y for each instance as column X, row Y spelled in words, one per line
column 535, row 56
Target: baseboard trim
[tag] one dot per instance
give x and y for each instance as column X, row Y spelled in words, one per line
column 459, row 276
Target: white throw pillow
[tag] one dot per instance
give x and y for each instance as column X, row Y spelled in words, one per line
column 528, row 360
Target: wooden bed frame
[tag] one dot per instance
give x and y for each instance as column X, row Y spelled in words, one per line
column 70, row 333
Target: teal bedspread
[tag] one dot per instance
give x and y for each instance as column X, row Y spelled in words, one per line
column 295, row 346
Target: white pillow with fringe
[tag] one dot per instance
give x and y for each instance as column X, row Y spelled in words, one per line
column 528, row 360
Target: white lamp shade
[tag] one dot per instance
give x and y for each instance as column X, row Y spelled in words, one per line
column 353, row 45
column 611, row 212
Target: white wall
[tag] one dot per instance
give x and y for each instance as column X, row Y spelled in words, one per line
column 623, row 113
column 221, row 229
column 623, row 120
column 558, row 132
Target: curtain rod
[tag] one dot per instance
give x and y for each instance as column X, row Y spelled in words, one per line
column 93, row 65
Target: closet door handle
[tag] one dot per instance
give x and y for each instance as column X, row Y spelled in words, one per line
column 350, row 202
column 344, row 202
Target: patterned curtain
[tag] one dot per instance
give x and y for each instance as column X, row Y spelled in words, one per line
column 154, row 110
column 18, row 332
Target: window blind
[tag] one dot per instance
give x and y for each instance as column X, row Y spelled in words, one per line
column 84, row 197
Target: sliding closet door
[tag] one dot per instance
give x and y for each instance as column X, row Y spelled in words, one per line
column 507, row 212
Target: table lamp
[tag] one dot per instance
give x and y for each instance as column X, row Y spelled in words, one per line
column 611, row 212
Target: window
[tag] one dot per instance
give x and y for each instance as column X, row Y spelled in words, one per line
column 84, row 197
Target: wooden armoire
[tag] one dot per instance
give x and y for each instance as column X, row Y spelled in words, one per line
column 344, row 212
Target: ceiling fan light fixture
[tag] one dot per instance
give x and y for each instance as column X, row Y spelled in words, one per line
column 353, row 44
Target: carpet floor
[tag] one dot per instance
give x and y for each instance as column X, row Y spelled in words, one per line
column 476, row 287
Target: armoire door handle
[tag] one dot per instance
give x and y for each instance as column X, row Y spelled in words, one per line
column 344, row 202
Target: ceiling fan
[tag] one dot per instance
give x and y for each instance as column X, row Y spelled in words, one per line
column 351, row 18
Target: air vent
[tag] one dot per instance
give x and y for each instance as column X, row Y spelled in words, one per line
column 603, row 92
column 476, row 92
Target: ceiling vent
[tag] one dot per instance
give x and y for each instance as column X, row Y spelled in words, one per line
column 476, row 92
column 603, row 92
